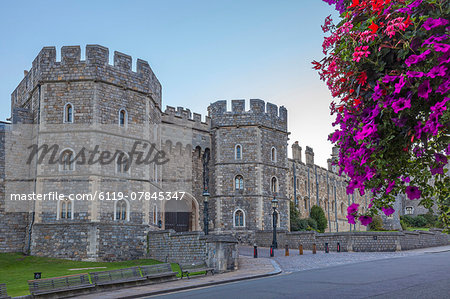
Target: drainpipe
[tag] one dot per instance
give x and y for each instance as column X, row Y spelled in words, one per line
column 317, row 187
column 328, row 204
column 33, row 213
column 309, row 195
column 295, row 185
column 335, row 209
column 348, row 199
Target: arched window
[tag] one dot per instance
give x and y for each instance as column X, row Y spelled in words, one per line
column 274, row 185
column 68, row 113
column 273, row 154
column 123, row 118
column 65, row 209
column 66, row 160
column 342, row 208
column 122, row 163
column 332, row 206
column 121, row 210
column 306, row 204
column 239, row 182
column 238, row 152
column 306, row 185
column 298, row 184
column 239, row 218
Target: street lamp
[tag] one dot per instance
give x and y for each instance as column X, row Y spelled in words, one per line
column 205, row 211
column 275, row 218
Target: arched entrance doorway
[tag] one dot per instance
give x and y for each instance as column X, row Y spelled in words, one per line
column 181, row 215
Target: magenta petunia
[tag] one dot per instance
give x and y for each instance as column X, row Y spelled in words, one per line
column 413, row 192
column 437, row 71
column 365, row 220
column 431, row 23
column 440, row 106
column 413, row 74
column 443, row 88
column 441, row 47
column 424, row 89
column 353, row 208
column 388, row 211
column 390, row 187
column 401, row 104
column 440, row 158
column 398, row 86
column 351, row 219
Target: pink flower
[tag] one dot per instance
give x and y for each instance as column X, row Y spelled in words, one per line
column 367, row 130
column 437, row 71
column 401, row 104
column 353, row 208
column 432, row 23
column 440, row 106
column 424, row 89
column 365, row 220
column 441, row 47
column 413, row 192
column 351, row 219
column 388, row 211
column 390, row 187
column 444, row 87
column 414, row 74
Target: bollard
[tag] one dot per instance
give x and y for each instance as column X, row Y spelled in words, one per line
column 314, row 248
column 338, row 247
column 255, row 251
column 326, row 248
column 286, row 251
column 300, row 249
column 271, row 251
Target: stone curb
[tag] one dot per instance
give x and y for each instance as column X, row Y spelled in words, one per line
column 207, row 284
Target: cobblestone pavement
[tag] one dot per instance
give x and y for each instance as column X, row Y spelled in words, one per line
column 295, row 262
column 248, row 268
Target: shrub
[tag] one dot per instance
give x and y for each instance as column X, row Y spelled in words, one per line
column 312, row 224
column 430, row 218
column 404, row 225
column 377, row 223
column 296, row 224
column 409, row 220
column 420, row 221
column 318, row 214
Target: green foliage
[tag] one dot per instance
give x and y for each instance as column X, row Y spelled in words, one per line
column 376, row 224
column 16, row 269
column 420, row 221
column 404, row 225
column 318, row 215
column 312, row 224
column 296, row 224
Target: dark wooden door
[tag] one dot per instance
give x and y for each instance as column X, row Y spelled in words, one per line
column 178, row 221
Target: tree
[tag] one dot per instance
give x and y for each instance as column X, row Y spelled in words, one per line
column 318, row 215
column 387, row 66
column 296, row 224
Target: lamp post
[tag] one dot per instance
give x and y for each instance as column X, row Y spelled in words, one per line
column 275, row 218
column 205, row 211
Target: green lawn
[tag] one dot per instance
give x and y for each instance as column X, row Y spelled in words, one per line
column 16, row 269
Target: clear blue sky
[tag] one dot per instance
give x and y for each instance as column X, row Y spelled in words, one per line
column 201, row 51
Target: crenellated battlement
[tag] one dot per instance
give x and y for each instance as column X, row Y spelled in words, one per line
column 260, row 113
column 184, row 117
column 96, row 67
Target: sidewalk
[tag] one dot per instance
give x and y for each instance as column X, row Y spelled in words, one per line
column 249, row 268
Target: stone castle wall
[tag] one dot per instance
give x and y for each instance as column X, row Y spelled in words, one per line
column 356, row 241
column 257, row 131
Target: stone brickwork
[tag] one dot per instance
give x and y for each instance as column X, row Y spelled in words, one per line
column 356, row 241
column 257, row 132
column 218, row 251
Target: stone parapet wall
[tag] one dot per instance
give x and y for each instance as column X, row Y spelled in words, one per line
column 217, row 250
column 89, row 241
column 356, row 241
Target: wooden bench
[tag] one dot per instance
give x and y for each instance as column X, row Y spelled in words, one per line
column 116, row 276
column 158, row 271
column 59, row 284
column 188, row 269
column 3, row 292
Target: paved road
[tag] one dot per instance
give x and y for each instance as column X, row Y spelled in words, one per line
column 424, row 275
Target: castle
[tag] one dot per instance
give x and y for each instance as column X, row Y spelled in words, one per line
column 235, row 161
